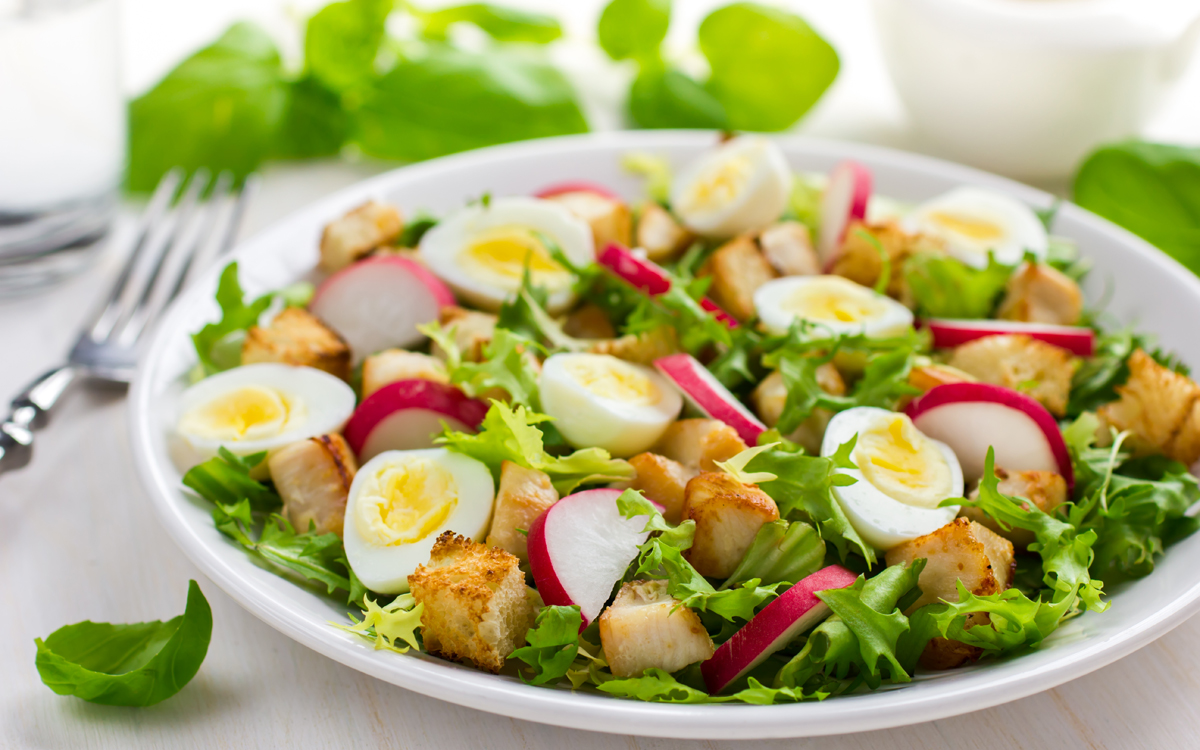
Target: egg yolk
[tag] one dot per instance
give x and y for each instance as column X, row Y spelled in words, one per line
column 718, row 185
column 612, row 379
column 902, row 463
column 505, row 252
column 405, row 502
column 979, row 230
column 251, row 412
column 834, row 301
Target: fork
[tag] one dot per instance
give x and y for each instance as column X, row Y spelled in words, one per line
column 175, row 239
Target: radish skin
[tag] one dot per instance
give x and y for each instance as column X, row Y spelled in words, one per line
column 407, row 415
column 844, row 201
column 579, row 186
column 650, row 278
column 707, row 394
column 948, row 334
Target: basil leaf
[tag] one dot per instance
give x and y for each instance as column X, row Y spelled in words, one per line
column 551, row 644
column 139, row 664
column 342, row 40
column 501, row 23
column 314, row 123
column 633, row 28
column 236, row 317
column 221, row 108
column 664, row 97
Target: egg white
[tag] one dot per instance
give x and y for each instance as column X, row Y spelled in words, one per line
column 882, row 521
column 1018, row 228
column 385, row 569
column 442, row 248
column 586, row 418
column 320, row 404
column 888, row 317
column 741, row 186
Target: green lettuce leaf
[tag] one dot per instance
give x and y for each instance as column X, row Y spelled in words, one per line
column 679, row 309
column 633, row 28
column 945, row 287
column 1094, row 383
column 781, row 551
column 658, row 686
column 397, row 620
column 219, row 345
column 551, row 644
column 504, row 365
column 501, row 23
column 341, row 41
column 225, row 480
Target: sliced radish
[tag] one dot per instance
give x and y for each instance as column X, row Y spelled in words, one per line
column 795, row 611
column 580, row 547
column 409, row 414
column 948, row 334
column 649, row 277
column 707, row 394
column 576, row 186
column 378, row 303
column 971, row 417
column 844, row 201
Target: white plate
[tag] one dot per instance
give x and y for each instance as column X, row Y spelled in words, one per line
column 1153, row 291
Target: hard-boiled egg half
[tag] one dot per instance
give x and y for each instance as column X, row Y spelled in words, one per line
column 482, row 251
column 739, row 187
column 832, row 302
column 971, row 221
column 259, row 407
column 601, row 401
column 902, row 476
column 400, row 501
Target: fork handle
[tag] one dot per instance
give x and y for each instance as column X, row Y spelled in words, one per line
column 29, row 411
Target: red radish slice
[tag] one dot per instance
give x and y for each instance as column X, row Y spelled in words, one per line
column 778, row 624
column 580, row 547
column 407, row 415
column 579, row 186
column 378, row 303
column 844, row 201
column 707, row 394
column 948, row 334
column 970, row 417
column 649, row 277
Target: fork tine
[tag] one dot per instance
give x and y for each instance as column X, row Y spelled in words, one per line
column 222, row 199
column 249, row 188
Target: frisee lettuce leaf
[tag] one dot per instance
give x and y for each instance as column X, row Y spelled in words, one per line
column 219, row 345
column 1094, row 383
column 944, row 287
column 504, row 365
column 225, row 479
column 397, row 620
column 552, row 644
column 781, row 551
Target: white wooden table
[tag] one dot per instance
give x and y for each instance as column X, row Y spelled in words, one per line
column 79, row 540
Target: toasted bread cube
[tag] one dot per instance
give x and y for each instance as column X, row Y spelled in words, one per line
column 1160, row 407
column 524, row 495
column 788, row 247
column 476, row 605
column 859, row 260
column 394, row 365
column 662, row 480
column 659, row 234
column 737, row 269
column 1039, row 293
column 727, row 514
column 771, row 395
column 589, row 321
column 641, row 348
column 944, row 653
column 1045, row 489
column 927, row 377
column 699, row 443
column 1016, row 361
column 472, row 331
column 356, row 234
column 313, row 477
column 297, row 337
column 609, row 219
column 646, row 628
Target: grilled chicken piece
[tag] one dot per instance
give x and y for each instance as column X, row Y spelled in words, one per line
column 1016, row 361
column 313, row 477
column 1160, row 407
column 589, row 322
column 476, row 604
column 524, row 495
column 727, row 514
column 662, row 480
column 1044, row 489
column 297, row 337
column 771, row 395
column 394, row 365
column 659, row 234
column 642, row 348
column 788, row 247
column 737, row 269
column 859, row 259
column 472, row 331
column 927, row 377
column 646, row 628
column 1039, row 293
column 356, row 234
column 699, row 443
column 609, row 219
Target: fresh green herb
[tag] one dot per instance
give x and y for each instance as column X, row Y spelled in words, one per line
column 1094, row 383
column 656, row 685
column 633, row 29
column 219, row 345
column 663, row 97
column 781, row 551
column 127, row 665
column 500, row 23
column 504, row 365
column 225, row 480
column 397, row 620
column 415, row 229
column 551, row 644
column 945, row 287
column 314, row 122
column 656, row 170
column 341, row 41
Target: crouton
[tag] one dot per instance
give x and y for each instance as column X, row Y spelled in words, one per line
column 524, row 495
column 859, row 259
column 787, row 246
column 297, row 337
column 476, row 606
column 1015, row 361
column 662, row 480
column 1044, row 489
column 1039, row 293
column 313, row 478
column 646, row 628
column 1160, row 407
column 609, row 218
column 927, row 377
column 394, row 365
column 727, row 514
column 589, row 321
column 699, row 443
column 771, row 395
column 962, row 550
column 356, row 234
column 737, row 269
column 659, row 234
column 641, row 348
column 472, row 331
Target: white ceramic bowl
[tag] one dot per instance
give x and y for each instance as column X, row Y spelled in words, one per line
column 1153, row 290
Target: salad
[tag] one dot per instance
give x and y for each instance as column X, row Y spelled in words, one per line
column 764, row 436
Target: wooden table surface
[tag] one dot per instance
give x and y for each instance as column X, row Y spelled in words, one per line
column 80, row 542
